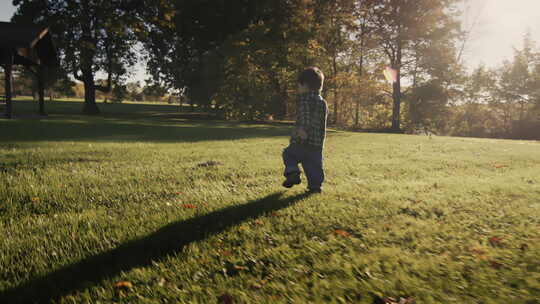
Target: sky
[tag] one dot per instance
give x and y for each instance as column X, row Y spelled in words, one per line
column 500, row 26
column 497, row 26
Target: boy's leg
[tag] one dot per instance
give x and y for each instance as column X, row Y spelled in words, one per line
column 313, row 167
column 291, row 159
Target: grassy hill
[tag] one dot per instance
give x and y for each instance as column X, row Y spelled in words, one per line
column 148, row 205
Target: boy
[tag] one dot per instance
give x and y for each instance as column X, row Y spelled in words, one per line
column 307, row 140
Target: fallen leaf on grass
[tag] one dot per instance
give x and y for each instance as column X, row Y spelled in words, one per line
column 161, row 282
column 225, row 253
column 232, row 269
column 35, row 199
column 478, row 251
column 495, row 264
column 123, row 285
column 225, row 299
column 256, row 286
column 341, row 232
column 499, row 166
column 189, row 206
column 390, row 300
column 260, row 284
column 495, row 241
column 240, row 268
column 258, row 222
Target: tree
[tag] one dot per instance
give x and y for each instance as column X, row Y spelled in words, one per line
column 364, row 47
column 119, row 93
column 427, row 106
column 405, row 27
column 134, row 90
column 518, row 89
column 92, row 36
column 189, row 31
column 154, row 91
column 39, row 79
column 334, row 21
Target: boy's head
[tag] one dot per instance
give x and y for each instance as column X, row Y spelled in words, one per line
column 312, row 79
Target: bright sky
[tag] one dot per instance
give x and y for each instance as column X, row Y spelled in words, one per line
column 500, row 26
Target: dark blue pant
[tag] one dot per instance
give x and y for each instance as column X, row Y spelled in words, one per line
column 311, row 159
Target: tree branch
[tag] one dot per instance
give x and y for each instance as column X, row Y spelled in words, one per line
column 107, row 88
column 78, row 76
column 35, row 73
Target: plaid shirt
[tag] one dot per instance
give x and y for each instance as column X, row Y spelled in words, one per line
column 311, row 114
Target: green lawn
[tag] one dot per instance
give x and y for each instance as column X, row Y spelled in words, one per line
column 79, row 100
column 147, row 205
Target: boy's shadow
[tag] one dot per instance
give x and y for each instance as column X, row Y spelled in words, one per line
column 139, row 253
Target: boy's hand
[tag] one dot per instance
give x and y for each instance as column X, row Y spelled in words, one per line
column 302, row 134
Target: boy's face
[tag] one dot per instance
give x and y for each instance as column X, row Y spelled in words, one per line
column 302, row 88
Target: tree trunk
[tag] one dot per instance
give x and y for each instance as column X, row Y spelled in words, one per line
column 396, row 94
column 279, row 107
column 336, row 102
column 87, row 59
column 8, row 82
column 41, row 91
column 360, row 74
column 283, row 111
column 396, row 88
column 90, row 107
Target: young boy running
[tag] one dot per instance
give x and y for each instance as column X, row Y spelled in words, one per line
column 307, row 140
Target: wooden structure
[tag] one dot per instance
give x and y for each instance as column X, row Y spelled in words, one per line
column 27, row 45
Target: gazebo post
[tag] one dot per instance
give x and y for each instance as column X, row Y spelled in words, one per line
column 27, row 45
column 41, row 90
column 8, row 70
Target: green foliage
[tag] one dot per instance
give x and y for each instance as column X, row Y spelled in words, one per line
column 64, row 87
column 247, row 68
column 187, row 31
column 240, row 60
column 154, row 92
column 427, row 106
column 501, row 101
column 91, row 37
column 119, row 93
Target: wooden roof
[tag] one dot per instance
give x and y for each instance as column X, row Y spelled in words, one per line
column 30, row 44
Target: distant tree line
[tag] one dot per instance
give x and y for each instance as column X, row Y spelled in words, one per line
column 240, row 59
column 502, row 101
column 25, row 84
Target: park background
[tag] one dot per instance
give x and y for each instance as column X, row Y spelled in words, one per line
column 466, row 68
column 139, row 201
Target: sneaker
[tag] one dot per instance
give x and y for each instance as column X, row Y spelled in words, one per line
column 292, row 179
column 314, row 191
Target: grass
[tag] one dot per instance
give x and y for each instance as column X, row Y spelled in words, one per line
column 25, row 99
column 146, row 205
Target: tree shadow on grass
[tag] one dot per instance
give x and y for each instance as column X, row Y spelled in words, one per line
column 82, row 129
column 164, row 242
column 134, row 123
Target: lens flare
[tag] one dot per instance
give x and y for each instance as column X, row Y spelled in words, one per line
column 390, row 74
